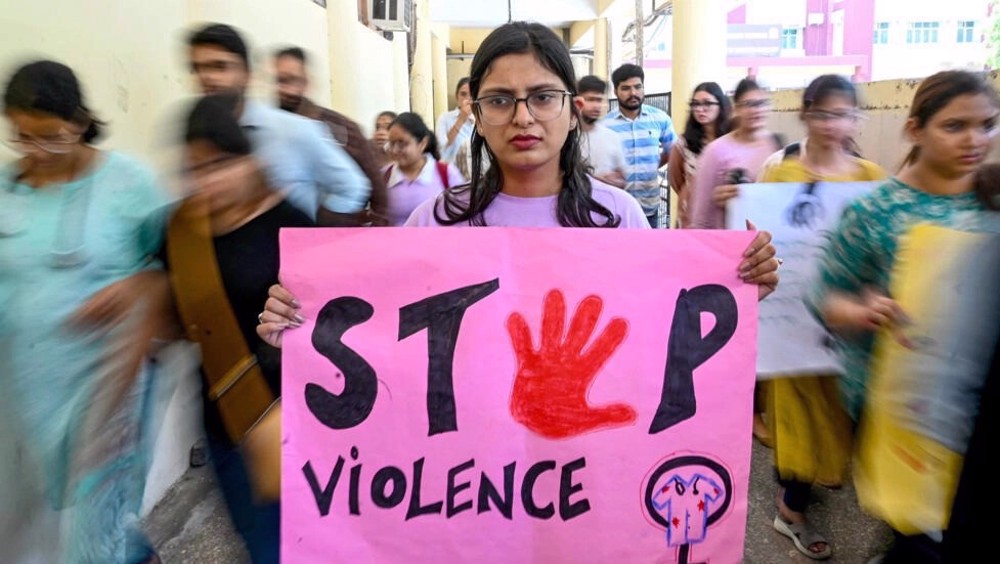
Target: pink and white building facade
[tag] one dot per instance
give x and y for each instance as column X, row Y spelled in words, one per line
column 785, row 43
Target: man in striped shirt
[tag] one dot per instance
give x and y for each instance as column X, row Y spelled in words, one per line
column 646, row 134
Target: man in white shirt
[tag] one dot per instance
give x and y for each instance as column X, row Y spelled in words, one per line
column 600, row 146
column 454, row 128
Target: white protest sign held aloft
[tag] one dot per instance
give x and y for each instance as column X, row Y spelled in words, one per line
column 800, row 217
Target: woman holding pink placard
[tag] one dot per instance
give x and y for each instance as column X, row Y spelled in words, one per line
column 521, row 78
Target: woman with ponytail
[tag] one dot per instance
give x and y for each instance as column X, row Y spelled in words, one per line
column 418, row 172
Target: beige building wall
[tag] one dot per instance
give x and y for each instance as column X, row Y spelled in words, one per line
column 374, row 78
column 457, row 68
column 134, row 68
column 439, row 66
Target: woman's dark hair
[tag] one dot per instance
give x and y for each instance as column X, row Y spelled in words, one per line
column 388, row 113
column 461, row 82
column 591, row 83
column 213, row 119
column 50, row 87
column 575, row 201
column 626, row 72
column 694, row 132
column 987, row 186
column 937, row 91
column 294, row 52
column 746, row 86
column 826, row 86
column 415, row 126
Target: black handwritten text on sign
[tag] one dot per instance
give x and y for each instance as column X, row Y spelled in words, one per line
column 442, row 316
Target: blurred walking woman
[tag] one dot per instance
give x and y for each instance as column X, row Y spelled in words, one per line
column 380, row 136
column 733, row 159
column 952, row 121
column 418, row 173
column 810, row 429
column 222, row 251
column 78, row 292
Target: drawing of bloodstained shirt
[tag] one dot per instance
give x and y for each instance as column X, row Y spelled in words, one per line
column 686, row 502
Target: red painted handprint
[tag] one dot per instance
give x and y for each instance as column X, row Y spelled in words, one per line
column 550, row 389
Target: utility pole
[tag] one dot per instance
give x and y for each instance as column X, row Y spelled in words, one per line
column 640, row 40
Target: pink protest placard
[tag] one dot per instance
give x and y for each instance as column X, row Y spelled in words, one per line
column 516, row 395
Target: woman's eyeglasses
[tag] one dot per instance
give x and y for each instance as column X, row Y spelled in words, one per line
column 824, row 116
column 754, row 104
column 56, row 145
column 396, row 146
column 545, row 105
column 695, row 105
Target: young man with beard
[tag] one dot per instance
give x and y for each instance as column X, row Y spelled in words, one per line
column 646, row 134
column 600, row 146
column 293, row 81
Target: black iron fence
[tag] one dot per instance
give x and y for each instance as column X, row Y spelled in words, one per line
column 661, row 101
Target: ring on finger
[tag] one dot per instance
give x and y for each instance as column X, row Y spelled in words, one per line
column 260, row 318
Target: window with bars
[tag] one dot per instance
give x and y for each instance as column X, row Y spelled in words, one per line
column 922, row 32
column 966, row 30
column 790, row 38
column 881, row 34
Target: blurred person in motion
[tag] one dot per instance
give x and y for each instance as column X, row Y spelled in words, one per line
column 454, row 128
column 733, row 159
column 380, row 136
column 952, row 121
column 811, row 431
column 417, row 175
column 600, row 146
column 709, row 118
column 521, row 78
column 290, row 67
column 298, row 154
column 222, row 254
column 81, row 299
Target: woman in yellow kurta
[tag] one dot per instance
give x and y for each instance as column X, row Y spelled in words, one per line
column 811, row 431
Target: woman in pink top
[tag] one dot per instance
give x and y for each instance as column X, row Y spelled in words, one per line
column 521, row 79
column 418, row 173
column 733, row 159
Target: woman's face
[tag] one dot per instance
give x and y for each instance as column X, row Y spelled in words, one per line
column 522, row 141
column 705, row 108
column 832, row 121
column 224, row 179
column 752, row 110
column 956, row 140
column 382, row 129
column 404, row 147
column 45, row 140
